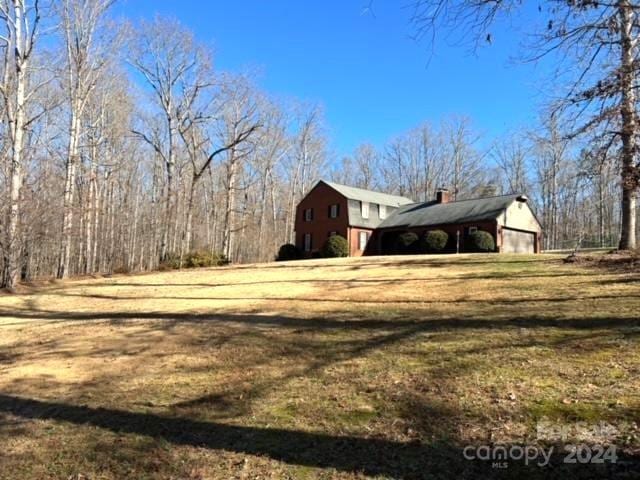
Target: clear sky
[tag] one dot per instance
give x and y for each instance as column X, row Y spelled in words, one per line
column 372, row 79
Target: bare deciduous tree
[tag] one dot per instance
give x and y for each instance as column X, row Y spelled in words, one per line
column 167, row 58
column 20, row 20
column 305, row 159
column 88, row 44
column 239, row 118
column 239, row 122
column 510, row 155
column 600, row 40
column 160, row 159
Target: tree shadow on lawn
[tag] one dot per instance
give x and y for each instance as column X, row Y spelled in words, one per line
column 492, row 301
column 365, row 336
column 416, row 322
column 60, row 289
column 397, row 260
column 347, row 281
column 618, row 279
column 371, row 456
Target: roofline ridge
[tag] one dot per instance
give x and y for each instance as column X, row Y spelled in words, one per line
column 485, row 198
column 330, row 182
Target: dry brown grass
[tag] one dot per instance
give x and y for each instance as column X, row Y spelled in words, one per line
column 342, row 368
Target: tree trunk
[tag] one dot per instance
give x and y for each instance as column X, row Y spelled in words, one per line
column 263, row 213
column 628, row 233
column 227, row 241
column 112, row 229
column 134, row 235
column 12, row 248
column 17, row 121
column 291, row 211
column 601, row 205
column 91, row 214
column 97, row 214
column 186, row 239
column 166, row 232
column 69, row 188
column 628, row 116
column 274, row 216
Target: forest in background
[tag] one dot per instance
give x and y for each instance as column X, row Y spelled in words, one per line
column 122, row 146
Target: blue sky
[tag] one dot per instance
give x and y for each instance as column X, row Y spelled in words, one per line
column 372, row 79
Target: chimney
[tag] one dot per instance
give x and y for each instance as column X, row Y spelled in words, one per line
column 443, row 195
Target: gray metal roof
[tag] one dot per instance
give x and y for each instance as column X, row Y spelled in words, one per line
column 363, row 195
column 432, row 213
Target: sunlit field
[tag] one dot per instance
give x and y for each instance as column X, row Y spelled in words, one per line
column 383, row 367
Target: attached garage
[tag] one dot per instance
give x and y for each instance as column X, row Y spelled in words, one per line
column 517, row 241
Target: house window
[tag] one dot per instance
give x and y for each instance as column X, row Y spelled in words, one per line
column 364, row 209
column 382, row 211
column 331, row 234
column 363, row 238
column 308, row 214
column 307, row 242
column 334, row 211
column 473, row 230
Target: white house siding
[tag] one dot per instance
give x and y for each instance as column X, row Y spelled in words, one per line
column 520, row 217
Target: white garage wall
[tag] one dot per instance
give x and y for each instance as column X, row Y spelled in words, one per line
column 519, row 216
column 514, row 241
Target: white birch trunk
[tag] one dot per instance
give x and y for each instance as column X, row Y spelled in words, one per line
column 69, row 192
column 16, row 113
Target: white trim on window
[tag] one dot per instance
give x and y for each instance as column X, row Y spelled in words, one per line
column 308, row 215
column 363, row 238
column 333, row 212
column 473, row 230
column 307, row 242
column 364, row 209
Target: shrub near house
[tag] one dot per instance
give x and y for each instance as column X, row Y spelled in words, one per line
column 335, row 246
column 434, row 241
column 482, row 241
column 194, row 259
column 288, row 252
column 406, row 243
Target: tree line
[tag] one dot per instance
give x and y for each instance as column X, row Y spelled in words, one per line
column 594, row 47
column 574, row 193
column 121, row 146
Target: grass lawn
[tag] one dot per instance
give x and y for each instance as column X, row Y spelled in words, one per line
column 382, row 367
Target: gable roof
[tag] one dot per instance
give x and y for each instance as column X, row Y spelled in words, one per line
column 353, row 193
column 462, row 211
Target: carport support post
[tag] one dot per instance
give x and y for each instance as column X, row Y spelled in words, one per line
column 457, row 241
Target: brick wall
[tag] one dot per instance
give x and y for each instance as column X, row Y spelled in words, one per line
column 319, row 199
column 354, row 242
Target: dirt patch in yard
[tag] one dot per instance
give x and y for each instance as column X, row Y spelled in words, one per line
column 615, row 260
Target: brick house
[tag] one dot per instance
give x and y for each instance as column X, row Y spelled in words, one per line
column 333, row 209
column 371, row 221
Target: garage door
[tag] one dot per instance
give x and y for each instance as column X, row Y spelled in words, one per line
column 514, row 241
